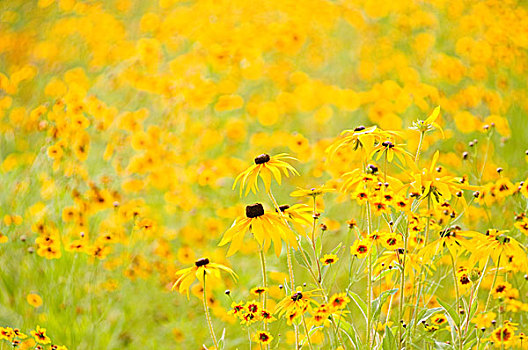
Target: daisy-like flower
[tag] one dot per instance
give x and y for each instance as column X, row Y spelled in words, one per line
column 438, row 319
column 7, row 333
column 296, row 303
column 266, row 227
column 258, row 291
column 312, row 192
column 454, row 239
column 299, row 215
column 329, row 259
column 201, row 268
column 428, row 182
column 505, row 335
column 40, row 335
column 338, row 301
column 496, row 244
column 390, row 149
column 263, row 337
column 266, row 167
column 429, row 123
column 360, row 248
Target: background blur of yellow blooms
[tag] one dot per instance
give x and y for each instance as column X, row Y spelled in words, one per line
column 123, row 124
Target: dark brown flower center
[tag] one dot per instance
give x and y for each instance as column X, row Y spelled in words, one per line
column 201, row 262
column 263, row 337
column 263, row 158
column 297, row 296
column 255, row 210
column 359, row 128
column 284, row 207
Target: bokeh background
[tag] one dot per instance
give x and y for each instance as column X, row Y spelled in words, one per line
column 123, row 124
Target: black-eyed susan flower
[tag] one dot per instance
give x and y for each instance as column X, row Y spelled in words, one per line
column 263, row 337
column 311, row 192
column 202, row 268
column 360, row 248
column 298, row 302
column 266, row 167
column 338, row 301
column 7, row 333
column 39, row 334
column 504, row 336
column 258, row 291
column 265, row 227
column 299, row 216
column 429, row 123
column 438, row 319
column 329, row 259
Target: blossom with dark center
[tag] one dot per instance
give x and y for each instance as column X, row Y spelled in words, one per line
column 266, row 167
column 202, row 267
column 266, row 227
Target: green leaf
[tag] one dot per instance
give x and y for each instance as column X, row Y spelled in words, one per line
column 351, row 333
column 360, row 304
column 389, row 342
column 441, row 345
column 451, row 313
column 377, row 304
column 299, row 258
column 425, row 314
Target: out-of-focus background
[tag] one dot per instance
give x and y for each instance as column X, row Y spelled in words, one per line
column 123, row 124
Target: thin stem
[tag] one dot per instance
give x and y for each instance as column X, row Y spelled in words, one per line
column 307, row 332
column 316, row 257
column 207, row 316
column 402, row 286
column 457, row 301
column 417, row 156
column 493, row 283
column 288, row 248
column 265, row 285
column 369, row 281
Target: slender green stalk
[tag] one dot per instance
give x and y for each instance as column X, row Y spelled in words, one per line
column 493, row 283
column 369, row 282
column 265, row 285
column 457, row 301
column 417, row 156
column 307, row 332
column 316, row 257
column 208, row 316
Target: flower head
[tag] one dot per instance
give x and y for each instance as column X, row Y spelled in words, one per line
column 266, row 167
column 266, row 228
column 202, row 268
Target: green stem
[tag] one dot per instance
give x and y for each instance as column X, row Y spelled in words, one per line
column 307, row 332
column 417, row 156
column 208, row 316
column 369, row 281
column 493, row 283
column 457, row 301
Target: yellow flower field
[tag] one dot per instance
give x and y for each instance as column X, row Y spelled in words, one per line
column 318, row 174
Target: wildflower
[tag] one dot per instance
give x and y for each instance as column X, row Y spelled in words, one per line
column 40, row 335
column 360, row 248
column 312, row 192
column 201, row 268
column 263, row 337
column 7, row 333
column 34, row 300
column 266, row 227
column 297, row 302
column 329, row 259
column 438, row 319
column 338, row 301
column 428, row 124
column 504, row 335
column 266, row 167
column 258, row 291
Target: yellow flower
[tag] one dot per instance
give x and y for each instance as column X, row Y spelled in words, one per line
column 40, row 335
column 360, row 248
column 34, row 300
column 329, row 259
column 298, row 301
column 312, row 192
column 263, row 337
column 266, row 167
column 266, row 227
column 202, row 268
column 429, row 123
